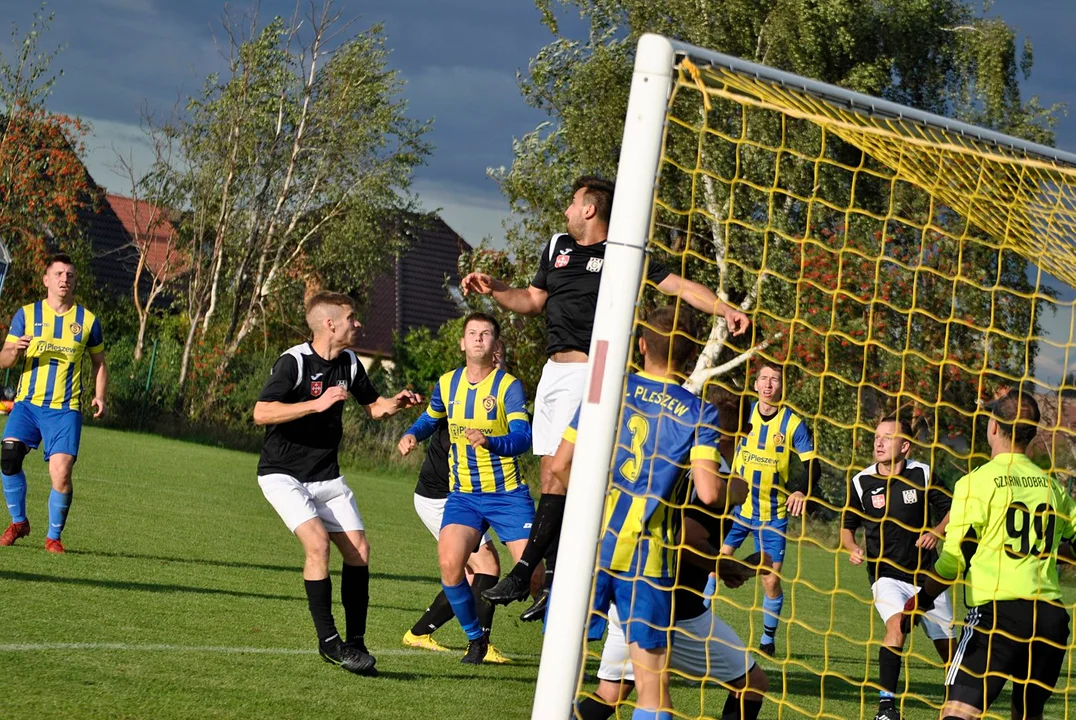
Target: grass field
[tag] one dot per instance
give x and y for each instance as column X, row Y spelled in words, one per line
column 181, row 597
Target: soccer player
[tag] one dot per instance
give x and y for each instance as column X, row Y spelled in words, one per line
column 54, row 335
column 663, row 430
column 893, row 501
column 1010, row 518
column 762, row 460
column 483, row 567
column 301, row 407
column 489, row 429
column 565, row 287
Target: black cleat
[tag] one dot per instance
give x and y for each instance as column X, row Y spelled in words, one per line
column 359, row 645
column 476, row 651
column 769, row 649
column 889, row 713
column 509, row 589
column 537, row 610
column 349, row 658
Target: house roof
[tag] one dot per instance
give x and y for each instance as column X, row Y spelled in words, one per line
column 414, row 291
column 150, row 225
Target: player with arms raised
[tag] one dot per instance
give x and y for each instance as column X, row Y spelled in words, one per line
column 55, row 334
column 1011, row 518
column 893, row 500
column 489, row 429
column 664, row 429
column 301, row 407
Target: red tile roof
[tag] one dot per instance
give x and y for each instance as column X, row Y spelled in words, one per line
column 147, row 224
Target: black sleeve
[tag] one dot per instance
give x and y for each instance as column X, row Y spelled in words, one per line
column 361, row 388
column 708, row 519
column 852, row 516
column 281, row 382
column 656, row 272
column 807, row 482
column 539, row 280
column 443, row 436
column 939, row 499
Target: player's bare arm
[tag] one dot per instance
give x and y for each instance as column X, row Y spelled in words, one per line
column 9, row 355
column 385, row 407
column 848, row 542
column 929, row 540
column 709, row 486
column 275, row 413
column 525, row 301
column 407, row 443
column 100, row 387
column 704, row 300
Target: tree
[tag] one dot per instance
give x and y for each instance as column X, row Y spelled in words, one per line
column 938, row 55
column 291, row 165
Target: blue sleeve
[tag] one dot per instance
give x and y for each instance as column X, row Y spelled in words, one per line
column 515, row 403
column 516, row 442
column 436, row 409
column 97, row 337
column 707, row 435
column 802, row 442
column 18, row 324
column 422, row 428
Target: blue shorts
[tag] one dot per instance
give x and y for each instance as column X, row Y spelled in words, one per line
column 645, row 607
column 510, row 514
column 61, row 430
column 771, row 536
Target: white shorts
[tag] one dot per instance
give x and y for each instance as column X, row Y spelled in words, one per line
column 296, row 502
column 560, row 391
column 702, row 647
column 890, row 595
column 431, row 510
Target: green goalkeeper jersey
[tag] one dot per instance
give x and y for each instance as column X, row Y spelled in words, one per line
column 1018, row 516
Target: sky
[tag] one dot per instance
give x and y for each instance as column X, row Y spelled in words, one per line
column 459, row 59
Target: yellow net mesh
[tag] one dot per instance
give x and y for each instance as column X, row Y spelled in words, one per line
column 890, row 264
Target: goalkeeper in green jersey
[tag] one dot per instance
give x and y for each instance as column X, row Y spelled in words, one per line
column 1007, row 522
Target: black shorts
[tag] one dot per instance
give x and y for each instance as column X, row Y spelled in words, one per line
column 1021, row 640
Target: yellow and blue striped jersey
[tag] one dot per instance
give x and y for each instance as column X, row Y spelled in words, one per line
column 52, row 372
column 663, row 427
column 489, row 406
column 762, row 461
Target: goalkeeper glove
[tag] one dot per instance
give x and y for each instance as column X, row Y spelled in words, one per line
column 913, row 610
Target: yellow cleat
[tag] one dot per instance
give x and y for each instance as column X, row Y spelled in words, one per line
column 423, row 642
column 493, row 655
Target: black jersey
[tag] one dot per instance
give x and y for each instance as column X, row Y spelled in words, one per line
column 306, row 448
column 691, row 579
column 433, row 477
column 570, row 273
column 894, row 511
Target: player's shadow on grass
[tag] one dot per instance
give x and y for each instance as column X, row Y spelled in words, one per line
column 801, row 683
column 411, row 675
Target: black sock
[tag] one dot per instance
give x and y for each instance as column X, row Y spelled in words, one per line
column 355, row 595
column 545, row 531
column 437, row 614
column 733, row 704
column 484, row 609
column 319, row 595
column 591, row 709
column 889, row 663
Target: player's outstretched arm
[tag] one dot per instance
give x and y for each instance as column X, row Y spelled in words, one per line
column 704, row 300
column 274, row 412
column 9, row 356
column 848, row 542
column 525, row 301
column 385, row 407
column 100, row 376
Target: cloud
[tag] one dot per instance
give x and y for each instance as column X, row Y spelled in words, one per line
column 474, row 215
column 109, row 138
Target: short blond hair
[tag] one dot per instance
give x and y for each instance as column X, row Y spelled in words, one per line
column 320, row 304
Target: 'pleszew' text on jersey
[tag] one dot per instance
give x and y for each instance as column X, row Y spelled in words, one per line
column 894, row 511
column 1018, row 516
column 306, row 448
column 663, row 428
column 570, row 273
column 762, row 460
column 52, row 372
column 488, row 405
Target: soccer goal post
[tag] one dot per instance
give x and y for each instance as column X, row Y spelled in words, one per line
column 888, row 257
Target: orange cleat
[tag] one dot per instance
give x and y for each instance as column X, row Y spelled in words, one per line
column 14, row 532
column 54, row 546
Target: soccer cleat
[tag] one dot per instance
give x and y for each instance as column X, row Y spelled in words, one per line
column 54, row 546
column 537, row 610
column 476, row 651
column 348, row 657
column 509, row 589
column 14, row 532
column 889, row 713
column 768, row 649
column 493, row 655
column 423, row 642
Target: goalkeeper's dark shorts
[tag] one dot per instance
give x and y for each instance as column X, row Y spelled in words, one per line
column 1019, row 640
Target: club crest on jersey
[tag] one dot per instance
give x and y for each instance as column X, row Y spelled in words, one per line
column 778, row 439
column 341, row 383
column 315, row 387
column 911, row 497
column 75, row 328
column 489, row 402
column 878, row 500
column 595, row 264
column 562, row 260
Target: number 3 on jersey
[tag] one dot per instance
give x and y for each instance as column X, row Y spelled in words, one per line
column 1019, row 524
column 639, row 428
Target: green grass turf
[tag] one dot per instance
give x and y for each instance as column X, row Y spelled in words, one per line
column 176, row 564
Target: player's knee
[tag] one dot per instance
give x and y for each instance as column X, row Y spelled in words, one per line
column 772, row 582
column 757, row 680
column 11, row 455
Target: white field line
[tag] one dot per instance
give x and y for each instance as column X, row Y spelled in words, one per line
column 133, row 647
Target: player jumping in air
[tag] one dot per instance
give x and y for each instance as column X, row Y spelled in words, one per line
column 301, row 407
column 489, row 429
column 893, row 501
column 55, row 335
